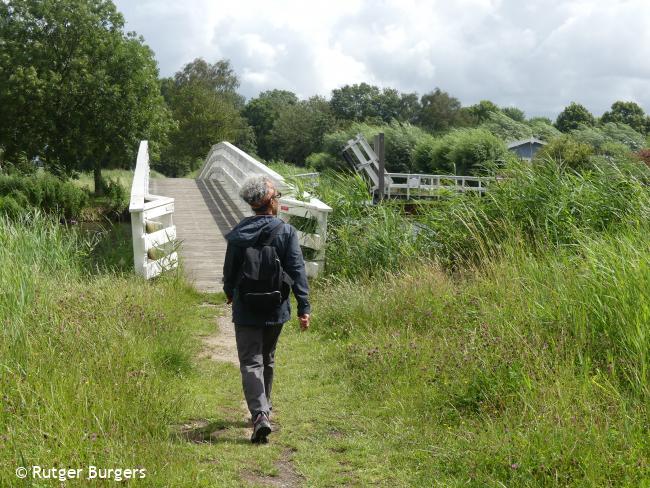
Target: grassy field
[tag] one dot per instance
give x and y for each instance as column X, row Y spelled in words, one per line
column 102, row 368
column 515, row 354
column 504, row 343
column 122, row 176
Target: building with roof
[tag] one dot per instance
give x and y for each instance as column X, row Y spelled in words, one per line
column 526, row 148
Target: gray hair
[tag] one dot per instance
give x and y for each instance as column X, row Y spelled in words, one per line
column 255, row 188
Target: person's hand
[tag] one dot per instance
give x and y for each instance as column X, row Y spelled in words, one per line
column 304, row 321
column 229, row 300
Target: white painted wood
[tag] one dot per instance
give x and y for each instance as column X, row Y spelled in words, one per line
column 231, row 166
column 140, row 177
column 154, row 268
column 137, row 232
column 158, row 238
column 312, row 241
column 145, row 207
column 405, row 181
column 401, row 183
column 313, row 268
column 157, row 211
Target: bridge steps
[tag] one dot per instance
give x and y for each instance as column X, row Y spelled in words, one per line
column 203, row 214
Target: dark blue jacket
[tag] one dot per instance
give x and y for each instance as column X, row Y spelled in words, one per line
column 286, row 243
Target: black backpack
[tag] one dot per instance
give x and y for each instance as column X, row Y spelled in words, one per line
column 263, row 285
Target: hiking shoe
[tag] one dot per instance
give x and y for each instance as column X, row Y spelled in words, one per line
column 261, row 428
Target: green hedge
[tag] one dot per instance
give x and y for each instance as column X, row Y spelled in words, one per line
column 461, row 152
column 400, row 142
column 44, row 191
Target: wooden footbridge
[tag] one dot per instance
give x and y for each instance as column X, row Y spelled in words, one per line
column 186, row 219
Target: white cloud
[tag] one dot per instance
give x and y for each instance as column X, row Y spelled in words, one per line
column 538, row 55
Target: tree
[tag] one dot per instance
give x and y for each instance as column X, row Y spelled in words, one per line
column 609, row 133
column 439, row 111
column 573, row 116
column 409, row 107
column 506, row 128
column 514, row 113
column 482, row 110
column 262, row 112
column 75, row 90
column 543, row 128
column 218, row 76
column 628, row 113
column 300, row 128
column 204, row 104
column 543, row 120
column 355, row 102
column 364, row 102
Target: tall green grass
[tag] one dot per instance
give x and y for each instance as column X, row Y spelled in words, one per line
column 542, row 205
column 530, row 370
column 92, row 365
column 499, row 340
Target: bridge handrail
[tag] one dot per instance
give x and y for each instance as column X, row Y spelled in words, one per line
column 443, row 177
column 233, row 165
column 140, row 184
column 367, row 161
column 152, row 227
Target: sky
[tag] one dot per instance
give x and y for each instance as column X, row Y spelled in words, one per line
column 538, row 55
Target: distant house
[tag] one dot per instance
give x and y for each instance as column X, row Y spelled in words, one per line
column 526, row 148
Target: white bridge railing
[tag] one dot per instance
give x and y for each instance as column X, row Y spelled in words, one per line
column 404, row 184
column 152, row 226
column 231, row 166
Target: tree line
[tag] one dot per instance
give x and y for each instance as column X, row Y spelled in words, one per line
column 77, row 93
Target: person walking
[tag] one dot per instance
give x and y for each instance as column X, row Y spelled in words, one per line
column 258, row 314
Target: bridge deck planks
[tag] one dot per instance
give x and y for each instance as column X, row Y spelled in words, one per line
column 202, row 215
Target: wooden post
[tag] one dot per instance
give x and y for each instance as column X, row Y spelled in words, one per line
column 381, row 156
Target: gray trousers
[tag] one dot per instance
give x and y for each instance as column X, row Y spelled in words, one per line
column 256, row 350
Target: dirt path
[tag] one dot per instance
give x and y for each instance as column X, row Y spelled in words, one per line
column 222, row 347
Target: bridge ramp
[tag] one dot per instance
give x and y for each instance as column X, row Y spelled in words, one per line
column 203, row 214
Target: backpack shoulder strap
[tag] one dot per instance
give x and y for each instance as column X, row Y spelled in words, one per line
column 274, row 232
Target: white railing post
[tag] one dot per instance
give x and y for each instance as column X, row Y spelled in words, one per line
column 152, row 226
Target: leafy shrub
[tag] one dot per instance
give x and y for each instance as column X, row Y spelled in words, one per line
column 644, row 155
column 173, row 167
column 567, row 151
column 543, row 129
column 10, row 207
column 462, row 152
column 623, row 134
column 505, row 128
column 21, row 165
column 46, row 192
column 429, row 157
column 400, row 142
column 117, row 195
column 322, row 160
column 601, row 135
